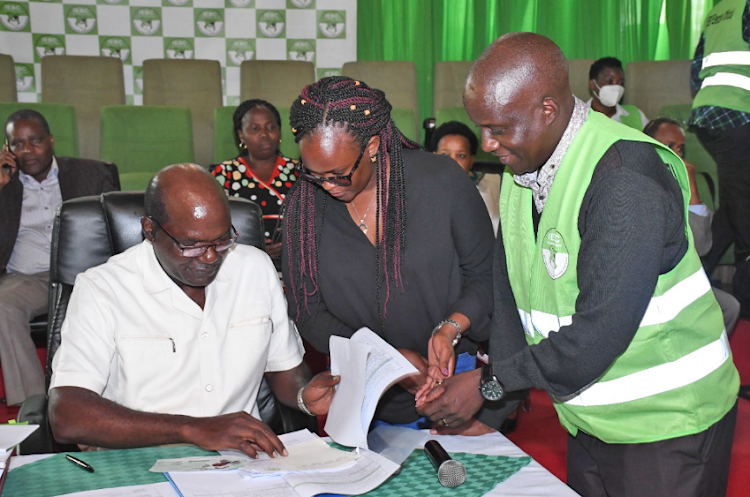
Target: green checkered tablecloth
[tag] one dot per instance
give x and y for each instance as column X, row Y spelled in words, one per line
column 114, row 468
column 419, row 479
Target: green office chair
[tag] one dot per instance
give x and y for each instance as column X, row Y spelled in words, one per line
column 226, row 144
column 61, row 119
column 141, row 140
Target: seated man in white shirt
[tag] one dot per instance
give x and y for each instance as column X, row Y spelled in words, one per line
column 33, row 182
column 671, row 134
column 607, row 86
column 168, row 341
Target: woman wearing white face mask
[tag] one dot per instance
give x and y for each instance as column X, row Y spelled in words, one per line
column 607, row 85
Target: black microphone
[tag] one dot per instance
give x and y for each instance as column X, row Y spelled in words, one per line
column 451, row 473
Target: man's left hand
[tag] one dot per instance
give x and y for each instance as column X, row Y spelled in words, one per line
column 319, row 392
column 455, row 401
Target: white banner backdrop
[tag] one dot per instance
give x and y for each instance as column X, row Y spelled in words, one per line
column 320, row 31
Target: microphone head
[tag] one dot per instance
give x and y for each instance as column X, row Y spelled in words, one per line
column 451, row 473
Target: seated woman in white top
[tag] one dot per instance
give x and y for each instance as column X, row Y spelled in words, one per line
column 456, row 140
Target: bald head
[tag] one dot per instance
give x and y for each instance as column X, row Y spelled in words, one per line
column 518, row 93
column 521, row 63
column 184, row 191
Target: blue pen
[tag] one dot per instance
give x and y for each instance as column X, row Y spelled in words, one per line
column 81, row 464
column 173, row 484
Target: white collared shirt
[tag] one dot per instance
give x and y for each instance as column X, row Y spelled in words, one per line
column 40, row 201
column 134, row 337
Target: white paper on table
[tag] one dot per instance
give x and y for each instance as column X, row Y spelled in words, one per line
column 395, row 442
column 214, row 463
column 313, row 455
column 151, row 490
column 229, row 483
column 368, row 473
column 384, row 366
column 12, row 435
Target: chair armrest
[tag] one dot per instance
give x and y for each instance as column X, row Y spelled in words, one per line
column 34, row 411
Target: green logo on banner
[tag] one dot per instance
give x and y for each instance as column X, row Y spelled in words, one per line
column 239, row 50
column 325, row 72
column 25, row 78
column 250, row 4
column 115, row 46
column 47, row 1
column 14, row 17
column 300, row 4
column 80, row 19
column 179, row 48
column 271, row 23
column 146, row 21
column 45, row 45
column 137, row 80
column 300, row 50
column 209, row 22
column 112, row 2
column 331, row 24
column 177, row 3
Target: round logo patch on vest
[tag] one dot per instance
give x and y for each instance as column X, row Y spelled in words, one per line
column 554, row 253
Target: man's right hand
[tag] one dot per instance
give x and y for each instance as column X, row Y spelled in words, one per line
column 239, row 431
column 7, row 166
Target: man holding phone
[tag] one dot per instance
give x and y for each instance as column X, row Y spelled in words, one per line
column 33, row 183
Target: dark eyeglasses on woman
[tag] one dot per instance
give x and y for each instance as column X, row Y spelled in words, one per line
column 333, row 180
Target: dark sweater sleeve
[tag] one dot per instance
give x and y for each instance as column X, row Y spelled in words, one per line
column 632, row 230
column 473, row 241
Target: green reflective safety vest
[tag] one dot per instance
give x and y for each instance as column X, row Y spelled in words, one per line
column 633, row 119
column 677, row 376
column 726, row 59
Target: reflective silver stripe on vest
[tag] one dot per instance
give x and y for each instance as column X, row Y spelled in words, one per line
column 543, row 322
column 658, row 379
column 727, row 79
column 726, row 59
column 665, row 307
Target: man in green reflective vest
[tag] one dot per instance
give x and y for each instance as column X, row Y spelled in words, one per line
column 617, row 319
column 607, row 86
column 720, row 73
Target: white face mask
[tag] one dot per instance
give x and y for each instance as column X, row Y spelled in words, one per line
column 609, row 95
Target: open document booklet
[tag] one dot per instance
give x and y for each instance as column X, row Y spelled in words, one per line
column 368, row 366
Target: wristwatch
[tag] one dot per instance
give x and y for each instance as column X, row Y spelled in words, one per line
column 489, row 386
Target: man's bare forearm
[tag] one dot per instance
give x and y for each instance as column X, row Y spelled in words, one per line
column 81, row 416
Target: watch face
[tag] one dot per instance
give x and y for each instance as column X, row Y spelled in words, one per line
column 492, row 390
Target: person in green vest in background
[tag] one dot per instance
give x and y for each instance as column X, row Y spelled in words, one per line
column 607, row 86
column 617, row 319
column 721, row 118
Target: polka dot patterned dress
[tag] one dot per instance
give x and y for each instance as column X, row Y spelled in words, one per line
column 239, row 180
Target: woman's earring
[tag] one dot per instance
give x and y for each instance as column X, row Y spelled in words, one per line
column 242, row 145
column 374, row 158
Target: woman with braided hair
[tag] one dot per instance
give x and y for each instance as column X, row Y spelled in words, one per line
column 381, row 235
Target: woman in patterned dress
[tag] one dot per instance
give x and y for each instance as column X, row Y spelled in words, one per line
column 260, row 173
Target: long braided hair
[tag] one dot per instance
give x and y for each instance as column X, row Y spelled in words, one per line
column 364, row 112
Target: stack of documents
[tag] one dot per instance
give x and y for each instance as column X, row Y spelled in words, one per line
column 10, row 436
column 312, row 467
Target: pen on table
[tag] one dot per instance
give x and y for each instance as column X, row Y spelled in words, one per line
column 79, row 463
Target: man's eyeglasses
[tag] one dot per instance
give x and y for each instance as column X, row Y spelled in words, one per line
column 333, row 180
column 197, row 251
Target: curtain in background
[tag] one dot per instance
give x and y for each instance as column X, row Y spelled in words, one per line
column 429, row 31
